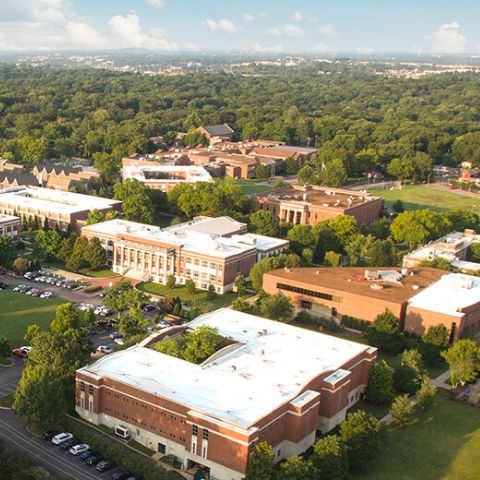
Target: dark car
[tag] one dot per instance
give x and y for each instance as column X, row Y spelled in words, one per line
column 104, row 465
column 93, row 460
column 122, row 475
column 86, row 454
column 3, row 285
column 49, row 435
column 67, row 444
column 149, row 308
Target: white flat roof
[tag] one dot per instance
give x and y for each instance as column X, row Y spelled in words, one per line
column 192, row 173
column 8, row 218
column 262, row 242
column 452, row 292
column 48, row 199
column 203, row 235
column 271, row 366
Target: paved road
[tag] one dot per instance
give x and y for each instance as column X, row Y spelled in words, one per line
column 52, row 458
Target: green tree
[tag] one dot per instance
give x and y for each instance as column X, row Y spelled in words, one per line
column 171, row 282
column 137, row 204
column 408, row 376
column 76, row 260
column 291, row 166
column 122, row 296
column 241, row 305
column 277, row 307
column 5, row 347
column 463, row 358
column 284, row 260
column 67, row 317
column 261, row 463
column 433, row 342
column 262, row 172
column 7, row 251
column 31, row 333
column 402, row 409
column 89, row 317
column 48, row 241
column 397, row 206
column 40, row 397
column 426, row 394
column 263, row 222
column 380, row 384
column 384, row 333
column 401, row 168
column 190, row 286
column 65, row 249
column 239, row 283
column 193, row 138
column 334, row 174
column 108, row 167
column 332, row 259
column 211, row 293
column 360, row 432
column 296, row 468
column 132, row 323
column 94, row 254
column 20, row 265
column 330, row 459
column 381, row 253
column 95, row 216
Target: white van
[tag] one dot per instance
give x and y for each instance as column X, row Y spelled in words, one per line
column 122, row 432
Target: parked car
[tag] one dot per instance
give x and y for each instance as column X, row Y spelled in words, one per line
column 78, row 449
column 3, row 286
column 46, row 295
column 119, row 341
column 32, row 290
column 104, row 349
column 87, row 453
column 19, row 353
column 38, row 293
column 93, row 460
column 49, row 435
column 115, row 335
column 27, row 348
column 104, row 465
column 122, row 475
column 61, row 437
column 18, row 288
column 67, row 444
column 105, row 311
column 31, row 275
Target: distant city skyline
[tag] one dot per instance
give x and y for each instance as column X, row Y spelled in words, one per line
column 256, row 26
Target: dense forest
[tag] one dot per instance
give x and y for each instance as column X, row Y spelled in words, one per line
column 358, row 119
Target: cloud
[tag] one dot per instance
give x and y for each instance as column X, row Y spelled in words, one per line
column 155, row 3
column 327, row 30
column 252, row 17
column 297, row 16
column 126, row 32
column 365, row 50
column 257, row 48
column 447, row 39
column 223, row 25
column 45, row 25
column 288, row 30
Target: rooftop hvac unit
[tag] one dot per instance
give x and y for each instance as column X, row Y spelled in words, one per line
column 376, row 286
column 415, row 287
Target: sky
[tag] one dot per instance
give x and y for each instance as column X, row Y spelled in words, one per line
column 257, row 26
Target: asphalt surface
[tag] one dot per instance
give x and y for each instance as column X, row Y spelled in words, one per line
column 9, row 377
column 76, row 296
column 51, row 457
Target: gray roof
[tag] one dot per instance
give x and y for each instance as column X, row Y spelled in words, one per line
column 218, row 130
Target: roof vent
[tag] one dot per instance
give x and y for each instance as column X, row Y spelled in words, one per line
column 415, row 287
column 233, row 368
column 264, row 331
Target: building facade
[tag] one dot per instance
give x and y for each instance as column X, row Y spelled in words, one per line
column 312, row 204
column 10, row 225
column 273, row 383
column 210, row 251
column 62, row 209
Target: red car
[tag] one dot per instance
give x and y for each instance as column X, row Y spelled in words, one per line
column 20, row 353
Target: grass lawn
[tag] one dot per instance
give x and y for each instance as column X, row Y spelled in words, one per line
column 415, row 197
column 253, row 186
column 442, row 445
column 220, row 301
column 102, row 273
column 378, row 411
column 19, row 310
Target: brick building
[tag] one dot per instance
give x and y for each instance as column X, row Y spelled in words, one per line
column 274, row 383
column 10, row 226
column 419, row 297
column 210, row 251
column 60, row 208
column 312, row 204
column 217, row 133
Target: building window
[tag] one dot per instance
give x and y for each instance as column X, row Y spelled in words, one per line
column 82, row 387
column 239, row 266
column 194, row 448
column 90, row 389
column 205, row 434
column 309, row 293
column 194, row 430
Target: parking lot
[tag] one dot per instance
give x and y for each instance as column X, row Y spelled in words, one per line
column 51, row 457
column 9, row 377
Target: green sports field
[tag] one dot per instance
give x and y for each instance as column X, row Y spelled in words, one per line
column 18, row 310
column 415, row 197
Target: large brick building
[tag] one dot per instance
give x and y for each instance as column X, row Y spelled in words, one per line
column 312, row 204
column 60, row 208
column 210, row 251
column 419, row 297
column 274, row 383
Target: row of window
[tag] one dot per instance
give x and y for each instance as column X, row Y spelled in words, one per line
column 310, row 293
column 90, row 388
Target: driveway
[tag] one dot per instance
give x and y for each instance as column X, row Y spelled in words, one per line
column 52, row 458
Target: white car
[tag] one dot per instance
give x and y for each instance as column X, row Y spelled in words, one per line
column 104, row 349
column 27, row 348
column 78, row 449
column 19, row 287
column 46, row 295
column 98, row 310
column 61, row 437
column 33, row 290
column 119, row 341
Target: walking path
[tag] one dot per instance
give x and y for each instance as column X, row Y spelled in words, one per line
column 438, row 382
